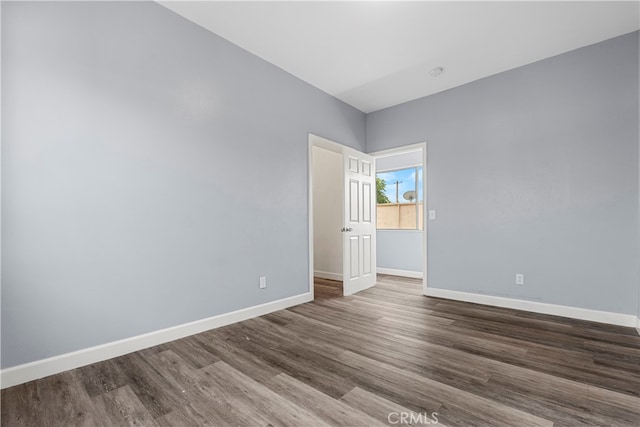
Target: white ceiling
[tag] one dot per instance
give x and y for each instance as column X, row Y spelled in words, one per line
column 373, row 55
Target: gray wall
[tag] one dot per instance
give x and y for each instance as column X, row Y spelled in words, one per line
column 533, row 171
column 151, row 172
column 399, row 249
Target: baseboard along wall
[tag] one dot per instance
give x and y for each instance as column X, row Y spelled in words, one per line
column 42, row 368
column 64, row 362
column 401, row 273
column 628, row 320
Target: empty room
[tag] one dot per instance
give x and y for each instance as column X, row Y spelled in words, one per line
column 320, row 213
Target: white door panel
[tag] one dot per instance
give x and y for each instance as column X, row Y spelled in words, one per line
column 359, row 252
column 354, row 205
column 354, row 254
column 366, row 202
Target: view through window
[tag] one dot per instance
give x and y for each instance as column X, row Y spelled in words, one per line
column 400, row 199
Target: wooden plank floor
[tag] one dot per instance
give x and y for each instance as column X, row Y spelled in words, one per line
column 325, row 288
column 362, row 360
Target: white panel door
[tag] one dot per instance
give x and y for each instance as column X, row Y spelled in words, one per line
column 359, row 231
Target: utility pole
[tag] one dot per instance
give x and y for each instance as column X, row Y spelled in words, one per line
column 397, row 184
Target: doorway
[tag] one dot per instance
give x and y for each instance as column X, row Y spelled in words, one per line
column 342, row 246
column 327, row 222
column 402, row 209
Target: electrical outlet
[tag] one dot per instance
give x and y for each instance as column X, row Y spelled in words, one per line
column 519, row 279
column 263, row 282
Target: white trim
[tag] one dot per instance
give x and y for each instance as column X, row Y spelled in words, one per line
column 536, row 307
column 638, row 324
column 411, row 148
column 425, row 218
column 401, row 273
column 327, row 275
column 53, row 365
column 408, row 166
column 310, row 213
column 1, row 164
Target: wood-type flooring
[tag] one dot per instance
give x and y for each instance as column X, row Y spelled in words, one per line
column 385, row 356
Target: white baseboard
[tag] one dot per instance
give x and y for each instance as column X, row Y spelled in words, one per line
column 64, row 362
column 402, row 273
column 628, row 320
column 327, row 275
column 638, row 324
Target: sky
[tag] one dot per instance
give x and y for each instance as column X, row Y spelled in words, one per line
column 408, row 183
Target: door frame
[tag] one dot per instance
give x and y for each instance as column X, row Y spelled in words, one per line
column 326, row 144
column 425, row 211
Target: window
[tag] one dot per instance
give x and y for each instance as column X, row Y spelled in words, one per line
column 400, row 199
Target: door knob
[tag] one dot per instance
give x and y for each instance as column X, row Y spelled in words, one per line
column 345, row 229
